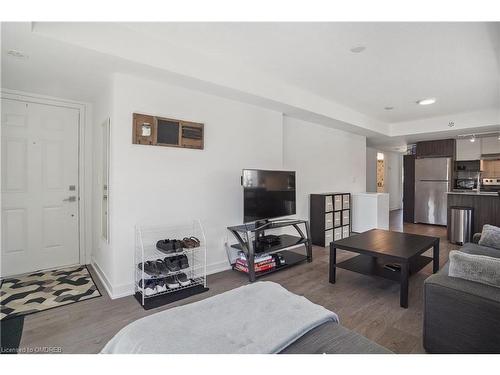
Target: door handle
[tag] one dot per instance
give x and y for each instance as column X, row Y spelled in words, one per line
column 70, row 199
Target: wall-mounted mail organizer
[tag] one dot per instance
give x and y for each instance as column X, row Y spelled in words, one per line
column 160, row 131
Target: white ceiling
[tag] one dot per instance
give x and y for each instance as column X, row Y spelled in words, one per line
column 60, row 69
column 403, row 62
column 305, row 70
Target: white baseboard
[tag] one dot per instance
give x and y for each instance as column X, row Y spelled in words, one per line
column 102, row 277
column 123, row 290
column 218, row 267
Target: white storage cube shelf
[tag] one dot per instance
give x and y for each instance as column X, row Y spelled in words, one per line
column 145, row 250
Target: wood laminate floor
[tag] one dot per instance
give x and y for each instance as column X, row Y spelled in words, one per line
column 367, row 305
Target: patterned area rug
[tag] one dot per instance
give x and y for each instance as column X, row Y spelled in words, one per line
column 30, row 293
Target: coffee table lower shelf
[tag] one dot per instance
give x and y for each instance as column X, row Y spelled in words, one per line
column 368, row 265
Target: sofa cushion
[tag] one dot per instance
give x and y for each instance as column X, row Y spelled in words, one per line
column 478, row 268
column 490, row 236
column 472, row 248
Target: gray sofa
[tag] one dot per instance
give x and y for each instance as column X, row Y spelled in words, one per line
column 461, row 316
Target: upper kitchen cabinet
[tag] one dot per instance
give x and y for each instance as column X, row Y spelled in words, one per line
column 436, row 149
column 490, row 145
column 467, row 150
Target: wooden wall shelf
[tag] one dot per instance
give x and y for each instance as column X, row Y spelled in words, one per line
column 161, row 131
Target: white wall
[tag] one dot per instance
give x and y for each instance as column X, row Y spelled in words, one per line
column 325, row 160
column 170, row 185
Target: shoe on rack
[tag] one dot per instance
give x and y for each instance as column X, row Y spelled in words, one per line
column 190, row 242
column 183, row 261
column 149, row 268
column 182, row 279
column 171, row 282
column 166, row 246
column 178, row 246
column 161, row 267
column 172, row 264
column 161, row 285
column 149, row 287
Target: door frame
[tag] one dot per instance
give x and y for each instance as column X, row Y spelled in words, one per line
column 85, row 163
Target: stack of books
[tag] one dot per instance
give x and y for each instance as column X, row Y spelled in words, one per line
column 262, row 263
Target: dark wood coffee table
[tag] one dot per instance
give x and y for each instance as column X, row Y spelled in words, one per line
column 379, row 247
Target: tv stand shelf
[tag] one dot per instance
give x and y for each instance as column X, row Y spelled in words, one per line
column 248, row 241
column 286, row 241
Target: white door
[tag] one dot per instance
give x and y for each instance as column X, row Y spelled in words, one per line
column 39, row 187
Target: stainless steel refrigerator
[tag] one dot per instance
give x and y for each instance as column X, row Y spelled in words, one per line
column 432, row 182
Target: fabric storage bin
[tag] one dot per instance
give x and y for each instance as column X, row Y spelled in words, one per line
column 345, row 231
column 346, row 202
column 329, row 220
column 337, row 202
column 328, row 237
column 328, row 203
column 337, row 219
column 337, row 234
column 346, row 217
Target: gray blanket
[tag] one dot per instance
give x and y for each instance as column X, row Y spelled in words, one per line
column 262, row 317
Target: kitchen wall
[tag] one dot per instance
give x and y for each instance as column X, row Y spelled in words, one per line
column 169, row 185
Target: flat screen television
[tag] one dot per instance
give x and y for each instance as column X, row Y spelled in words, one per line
column 267, row 194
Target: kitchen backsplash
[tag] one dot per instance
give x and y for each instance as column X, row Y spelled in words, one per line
column 490, row 168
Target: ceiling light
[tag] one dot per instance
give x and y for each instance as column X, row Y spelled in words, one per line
column 451, row 124
column 17, row 54
column 473, row 138
column 357, row 49
column 389, row 108
column 426, row 101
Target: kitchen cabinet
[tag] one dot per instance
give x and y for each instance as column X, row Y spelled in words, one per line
column 485, row 209
column 467, row 150
column 409, row 188
column 436, row 149
column 490, row 145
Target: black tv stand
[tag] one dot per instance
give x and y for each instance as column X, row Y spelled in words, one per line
column 282, row 243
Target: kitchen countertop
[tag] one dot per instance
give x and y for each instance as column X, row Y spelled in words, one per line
column 465, row 192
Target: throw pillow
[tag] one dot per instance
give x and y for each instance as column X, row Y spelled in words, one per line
column 477, row 268
column 490, row 236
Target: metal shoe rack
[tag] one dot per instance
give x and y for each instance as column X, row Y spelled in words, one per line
column 146, row 237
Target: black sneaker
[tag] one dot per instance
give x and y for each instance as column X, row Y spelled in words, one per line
column 166, row 246
column 178, row 246
column 172, row 264
column 182, row 279
column 183, row 261
column 149, row 268
column 171, row 282
column 161, row 267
